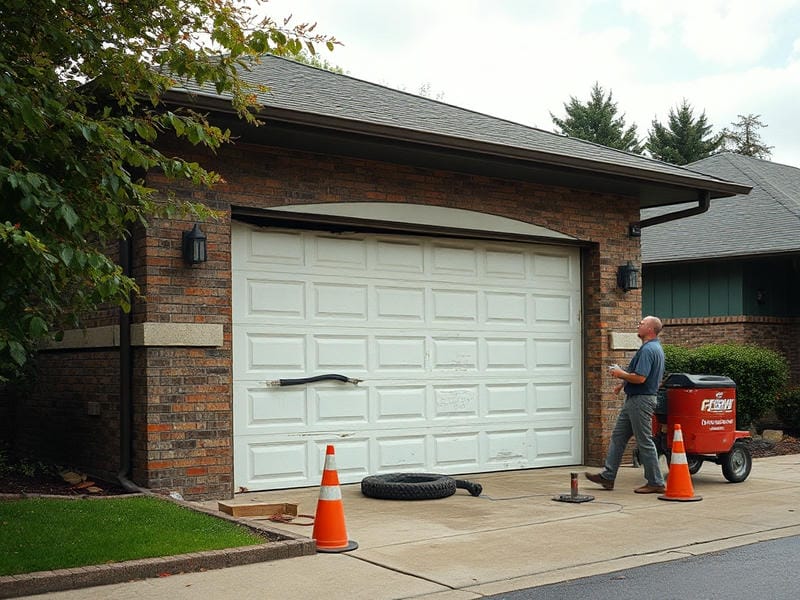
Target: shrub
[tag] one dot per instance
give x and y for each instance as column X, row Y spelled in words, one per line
column 787, row 408
column 759, row 373
column 678, row 359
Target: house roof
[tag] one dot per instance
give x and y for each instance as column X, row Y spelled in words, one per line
column 766, row 221
column 308, row 96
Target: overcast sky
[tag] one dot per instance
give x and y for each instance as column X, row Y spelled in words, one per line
column 523, row 59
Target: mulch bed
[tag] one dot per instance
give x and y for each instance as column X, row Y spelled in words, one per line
column 53, row 485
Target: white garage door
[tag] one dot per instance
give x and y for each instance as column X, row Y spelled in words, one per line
column 469, row 352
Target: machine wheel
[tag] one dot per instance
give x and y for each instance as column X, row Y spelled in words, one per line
column 737, row 463
column 694, row 462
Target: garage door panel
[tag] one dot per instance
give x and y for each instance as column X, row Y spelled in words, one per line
column 505, row 264
column 454, row 306
column 553, row 310
column 553, row 267
column 549, row 353
column 395, row 353
column 554, row 398
column 352, row 458
column 506, row 308
column 454, row 354
column 272, row 247
column 508, row 400
column 275, row 353
column 400, row 405
column 506, row 354
column 452, row 259
column 340, row 352
column 555, row 442
column 508, row 449
column 269, row 409
column 340, row 408
column 469, row 355
column 399, row 256
column 275, row 299
column 457, row 452
column 275, row 464
column 340, row 302
column 399, row 304
column 454, row 403
column 337, row 252
column 405, row 452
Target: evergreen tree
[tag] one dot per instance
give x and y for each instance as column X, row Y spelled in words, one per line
column 745, row 139
column 597, row 121
column 684, row 139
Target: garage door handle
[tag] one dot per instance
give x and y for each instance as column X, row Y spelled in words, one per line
column 302, row 380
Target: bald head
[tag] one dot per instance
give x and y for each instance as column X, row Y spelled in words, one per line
column 649, row 328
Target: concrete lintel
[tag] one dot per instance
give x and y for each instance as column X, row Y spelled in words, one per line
column 176, row 334
column 142, row 334
column 624, row 341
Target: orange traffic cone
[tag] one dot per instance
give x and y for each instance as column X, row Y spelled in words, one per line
column 679, row 480
column 330, row 532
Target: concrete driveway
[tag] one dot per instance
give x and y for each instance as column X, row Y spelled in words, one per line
column 511, row 537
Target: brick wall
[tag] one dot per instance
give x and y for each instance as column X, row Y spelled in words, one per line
column 781, row 334
column 183, row 396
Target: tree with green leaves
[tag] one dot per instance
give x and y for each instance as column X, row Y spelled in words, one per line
column 81, row 90
column 596, row 121
column 684, row 139
column 745, row 139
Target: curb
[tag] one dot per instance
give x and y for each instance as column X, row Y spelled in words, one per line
column 281, row 545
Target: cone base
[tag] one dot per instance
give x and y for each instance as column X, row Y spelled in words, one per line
column 351, row 545
column 679, row 499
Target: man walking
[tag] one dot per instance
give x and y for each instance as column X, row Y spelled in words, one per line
column 641, row 382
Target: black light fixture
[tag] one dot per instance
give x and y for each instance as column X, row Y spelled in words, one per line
column 628, row 277
column 194, row 246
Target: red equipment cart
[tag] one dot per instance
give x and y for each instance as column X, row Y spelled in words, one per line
column 705, row 408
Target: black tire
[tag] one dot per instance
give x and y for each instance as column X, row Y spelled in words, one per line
column 694, row 462
column 737, row 463
column 408, row 486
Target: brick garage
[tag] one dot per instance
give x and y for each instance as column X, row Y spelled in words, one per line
column 181, row 327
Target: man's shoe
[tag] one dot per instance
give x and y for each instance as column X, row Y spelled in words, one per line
column 650, row 489
column 599, row 480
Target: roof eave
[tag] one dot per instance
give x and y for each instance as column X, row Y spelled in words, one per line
column 717, row 189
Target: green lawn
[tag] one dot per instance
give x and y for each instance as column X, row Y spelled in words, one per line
column 40, row 534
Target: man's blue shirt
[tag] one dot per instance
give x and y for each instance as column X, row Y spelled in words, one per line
column 649, row 362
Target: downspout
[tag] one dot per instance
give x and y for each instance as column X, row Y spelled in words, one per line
column 703, row 204
column 126, row 381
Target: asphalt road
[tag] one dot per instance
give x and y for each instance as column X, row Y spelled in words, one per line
column 766, row 570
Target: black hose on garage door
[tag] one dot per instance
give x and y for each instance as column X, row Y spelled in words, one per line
column 415, row 486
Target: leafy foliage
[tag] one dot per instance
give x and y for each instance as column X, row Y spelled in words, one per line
column 684, row 139
column 745, row 139
column 759, row 373
column 81, row 89
column 787, row 408
column 596, row 121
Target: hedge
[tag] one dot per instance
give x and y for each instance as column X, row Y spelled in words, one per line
column 760, row 374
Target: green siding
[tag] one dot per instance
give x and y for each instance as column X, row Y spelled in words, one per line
column 723, row 288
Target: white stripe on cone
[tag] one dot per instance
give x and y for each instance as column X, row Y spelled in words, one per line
column 678, row 458
column 330, row 492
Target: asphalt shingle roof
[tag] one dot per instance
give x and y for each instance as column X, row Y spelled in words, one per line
column 766, row 221
column 347, row 101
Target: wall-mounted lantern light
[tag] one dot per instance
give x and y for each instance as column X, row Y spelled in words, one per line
column 194, row 246
column 628, row 277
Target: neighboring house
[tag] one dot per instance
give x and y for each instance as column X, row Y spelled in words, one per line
column 731, row 274
column 462, row 266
